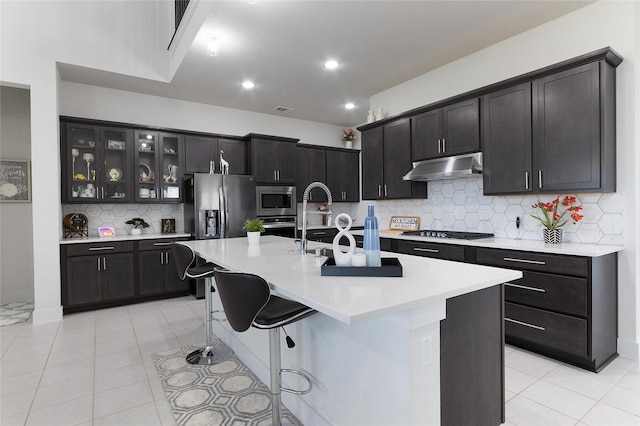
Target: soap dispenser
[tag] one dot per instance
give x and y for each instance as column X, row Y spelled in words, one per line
column 372, row 239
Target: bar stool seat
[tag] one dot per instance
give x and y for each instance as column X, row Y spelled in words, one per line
column 214, row 351
column 248, row 302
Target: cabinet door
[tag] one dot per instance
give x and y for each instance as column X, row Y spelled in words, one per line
column 426, row 133
column 199, row 151
column 263, row 160
column 567, row 130
column 461, row 128
column 372, row 164
column 397, row 159
column 81, row 157
column 172, row 281
column 117, row 276
column 146, row 166
column 343, row 175
column 84, row 284
column 286, row 162
column 317, row 172
column 302, row 179
column 151, row 272
column 235, row 153
column 170, row 167
column 116, row 182
column 506, row 123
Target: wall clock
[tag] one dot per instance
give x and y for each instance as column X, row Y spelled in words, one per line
column 75, row 224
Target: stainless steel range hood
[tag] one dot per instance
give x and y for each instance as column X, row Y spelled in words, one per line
column 446, row 168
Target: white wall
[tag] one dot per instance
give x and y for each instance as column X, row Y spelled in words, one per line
column 590, row 28
column 16, row 237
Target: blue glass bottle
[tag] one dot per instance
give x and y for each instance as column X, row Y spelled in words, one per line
column 371, row 239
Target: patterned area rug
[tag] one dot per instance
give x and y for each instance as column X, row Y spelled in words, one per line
column 14, row 313
column 224, row 394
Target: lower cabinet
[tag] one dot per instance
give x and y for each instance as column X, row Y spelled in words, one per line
column 438, row 251
column 157, row 272
column 105, row 274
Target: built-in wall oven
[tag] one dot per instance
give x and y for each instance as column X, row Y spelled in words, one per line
column 276, row 206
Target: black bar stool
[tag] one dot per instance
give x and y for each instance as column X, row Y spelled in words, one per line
column 212, row 353
column 248, row 302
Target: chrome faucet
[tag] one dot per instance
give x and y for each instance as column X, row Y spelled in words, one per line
column 305, row 198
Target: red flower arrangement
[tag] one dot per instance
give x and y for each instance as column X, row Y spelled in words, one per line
column 552, row 219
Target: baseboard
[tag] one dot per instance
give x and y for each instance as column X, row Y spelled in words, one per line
column 43, row 316
column 629, row 349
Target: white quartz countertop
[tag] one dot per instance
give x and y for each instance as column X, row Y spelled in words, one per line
column 349, row 299
column 124, row 237
column 572, row 249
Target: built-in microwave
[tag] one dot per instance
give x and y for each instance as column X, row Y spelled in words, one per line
column 276, row 200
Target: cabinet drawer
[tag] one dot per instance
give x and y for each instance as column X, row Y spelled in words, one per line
column 158, row 244
column 558, row 293
column 439, row 251
column 557, row 331
column 99, row 248
column 568, row 265
column 321, row 233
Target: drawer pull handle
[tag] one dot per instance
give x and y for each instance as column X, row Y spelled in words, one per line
column 161, row 244
column 541, row 290
column 101, row 248
column 426, row 249
column 535, row 262
column 526, row 324
column 319, row 233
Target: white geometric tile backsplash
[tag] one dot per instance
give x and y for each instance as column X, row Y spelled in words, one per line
column 454, row 204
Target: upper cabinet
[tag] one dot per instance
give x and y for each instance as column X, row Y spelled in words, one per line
column 201, row 151
column 450, row 130
column 96, row 163
column 343, row 175
column 159, row 168
column 311, row 167
column 386, row 157
column 553, row 134
column 272, row 160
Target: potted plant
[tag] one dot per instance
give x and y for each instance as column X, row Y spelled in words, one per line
column 137, row 223
column 553, row 220
column 253, row 228
column 348, row 136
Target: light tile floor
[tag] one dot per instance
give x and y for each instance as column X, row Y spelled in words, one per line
column 94, row 368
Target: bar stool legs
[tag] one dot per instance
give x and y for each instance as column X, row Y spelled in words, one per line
column 214, row 352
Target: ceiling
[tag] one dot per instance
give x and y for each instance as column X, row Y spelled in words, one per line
column 282, row 45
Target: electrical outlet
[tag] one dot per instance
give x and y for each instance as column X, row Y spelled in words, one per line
column 426, row 351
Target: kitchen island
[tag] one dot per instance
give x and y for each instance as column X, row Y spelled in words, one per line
column 373, row 350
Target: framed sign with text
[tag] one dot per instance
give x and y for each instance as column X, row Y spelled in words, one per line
column 15, row 184
column 404, row 223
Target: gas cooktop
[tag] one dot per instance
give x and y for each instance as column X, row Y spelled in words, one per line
column 449, row 234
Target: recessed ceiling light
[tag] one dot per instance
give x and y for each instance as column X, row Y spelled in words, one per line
column 350, row 105
column 248, row 84
column 331, row 64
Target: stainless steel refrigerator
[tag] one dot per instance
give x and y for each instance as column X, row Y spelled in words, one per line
column 216, row 206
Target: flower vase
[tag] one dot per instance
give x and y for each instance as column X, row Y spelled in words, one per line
column 552, row 236
column 136, row 231
column 348, row 144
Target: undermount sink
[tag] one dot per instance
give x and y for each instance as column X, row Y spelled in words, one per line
column 324, row 251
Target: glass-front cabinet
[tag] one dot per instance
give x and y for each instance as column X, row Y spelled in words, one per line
column 97, row 164
column 158, row 167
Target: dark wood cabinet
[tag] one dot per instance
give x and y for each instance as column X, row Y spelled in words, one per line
column 157, row 271
column 554, row 134
column 343, row 175
column 97, row 273
column 564, row 307
column 311, row 167
column 105, row 274
column 272, row 160
column 201, row 150
column 96, row 163
column 386, row 158
column 450, row 130
column 159, row 167
column 573, row 129
column 424, row 249
column 507, row 150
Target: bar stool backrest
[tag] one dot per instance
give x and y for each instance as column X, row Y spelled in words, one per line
column 242, row 295
column 183, row 257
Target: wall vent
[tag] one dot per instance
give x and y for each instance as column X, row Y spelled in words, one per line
column 282, row 109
